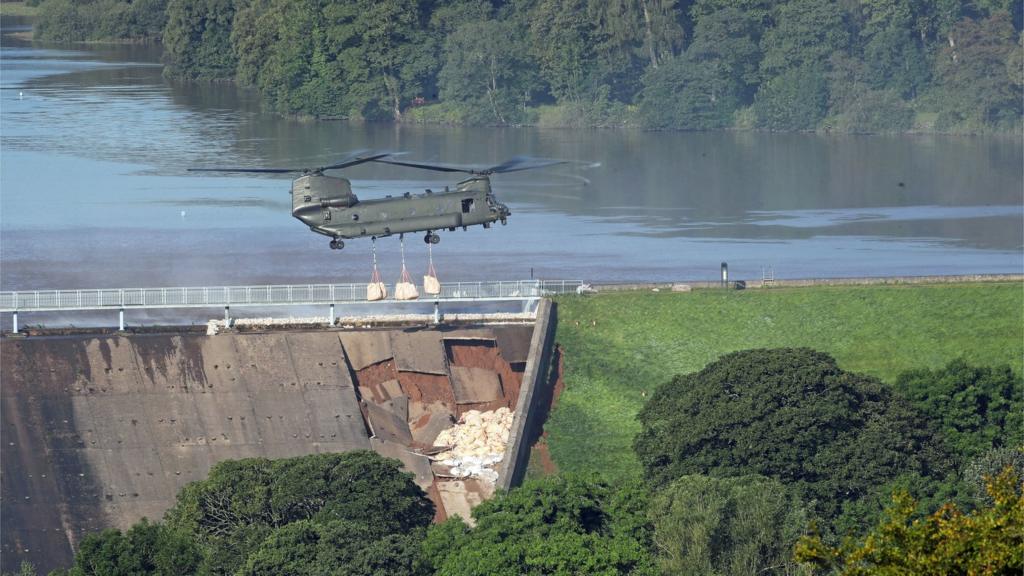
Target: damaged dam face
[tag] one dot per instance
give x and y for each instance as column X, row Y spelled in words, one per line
column 101, row 431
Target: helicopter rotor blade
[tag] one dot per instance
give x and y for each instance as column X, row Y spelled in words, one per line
column 513, row 165
column 524, row 163
column 256, row 170
column 349, row 159
column 434, row 167
column 361, row 158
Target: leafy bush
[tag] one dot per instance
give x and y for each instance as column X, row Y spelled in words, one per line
column 557, row 525
column 794, row 100
column 726, row 526
column 987, row 541
column 987, row 466
column 876, row 111
column 975, row 408
column 790, row 414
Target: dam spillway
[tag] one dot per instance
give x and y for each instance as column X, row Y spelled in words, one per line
column 100, row 431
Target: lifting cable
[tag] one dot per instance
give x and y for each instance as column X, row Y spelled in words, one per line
column 405, row 273
column 375, row 277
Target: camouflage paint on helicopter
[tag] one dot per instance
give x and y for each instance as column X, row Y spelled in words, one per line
column 327, row 205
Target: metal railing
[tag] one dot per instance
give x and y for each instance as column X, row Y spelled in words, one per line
column 279, row 295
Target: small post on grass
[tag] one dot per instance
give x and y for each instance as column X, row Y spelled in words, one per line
column 725, row 275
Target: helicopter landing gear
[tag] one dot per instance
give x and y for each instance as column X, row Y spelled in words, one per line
column 337, row 244
column 504, row 221
column 431, row 238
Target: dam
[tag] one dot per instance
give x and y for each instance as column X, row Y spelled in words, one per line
column 100, row 430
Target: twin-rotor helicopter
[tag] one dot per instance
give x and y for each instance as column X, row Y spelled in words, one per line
column 327, row 205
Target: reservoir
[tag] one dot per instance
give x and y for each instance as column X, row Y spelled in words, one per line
column 94, row 192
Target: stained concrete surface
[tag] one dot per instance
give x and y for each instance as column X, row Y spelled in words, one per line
column 99, row 432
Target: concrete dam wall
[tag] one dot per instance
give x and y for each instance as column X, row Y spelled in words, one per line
column 101, row 431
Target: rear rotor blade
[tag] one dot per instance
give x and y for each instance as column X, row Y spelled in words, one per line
column 513, row 165
column 524, row 163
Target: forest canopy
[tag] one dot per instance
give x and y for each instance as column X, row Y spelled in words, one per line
column 861, row 66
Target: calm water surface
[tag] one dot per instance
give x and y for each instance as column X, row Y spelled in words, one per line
column 94, row 192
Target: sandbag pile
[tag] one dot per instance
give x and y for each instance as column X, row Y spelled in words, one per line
column 476, row 444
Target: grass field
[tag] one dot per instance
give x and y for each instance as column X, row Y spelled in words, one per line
column 642, row 339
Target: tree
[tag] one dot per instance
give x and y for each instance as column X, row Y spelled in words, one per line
column 805, row 33
column 197, row 39
column 726, row 526
column 975, row 408
column 894, row 51
column 973, row 86
column 243, row 502
column 307, row 548
column 384, row 51
column 145, row 549
column 65, row 21
column 560, row 40
column 557, row 525
column 715, row 76
column 792, row 415
column 486, row 70
column 988, row 541
column 988, row 465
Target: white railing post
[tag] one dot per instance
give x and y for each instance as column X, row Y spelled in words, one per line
column 332, row 315
column 120, row 320
column 14, row 317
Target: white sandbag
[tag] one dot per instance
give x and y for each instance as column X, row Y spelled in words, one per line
column 431, row 285
column 376, row 291
column 406, row 291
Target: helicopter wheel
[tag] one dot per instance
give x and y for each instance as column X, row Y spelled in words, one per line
column 504, row 222
column 337, row 244
column 431, row 238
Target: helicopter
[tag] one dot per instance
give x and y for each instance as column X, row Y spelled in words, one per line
column 327, row 205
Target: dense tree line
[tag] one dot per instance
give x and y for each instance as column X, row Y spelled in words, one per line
column 764, row 462
column 80, row 20
column 859, row 66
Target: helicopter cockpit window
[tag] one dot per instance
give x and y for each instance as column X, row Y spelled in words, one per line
column 467, row 205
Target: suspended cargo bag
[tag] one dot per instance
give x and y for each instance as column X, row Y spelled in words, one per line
column 405, row 289
column 376, row 289
column 431, row 285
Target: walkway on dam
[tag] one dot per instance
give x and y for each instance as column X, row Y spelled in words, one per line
column 121, row 299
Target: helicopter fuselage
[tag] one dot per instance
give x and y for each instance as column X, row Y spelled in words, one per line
column 327, row 205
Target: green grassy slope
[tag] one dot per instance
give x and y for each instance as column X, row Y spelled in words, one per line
column 642, row 339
